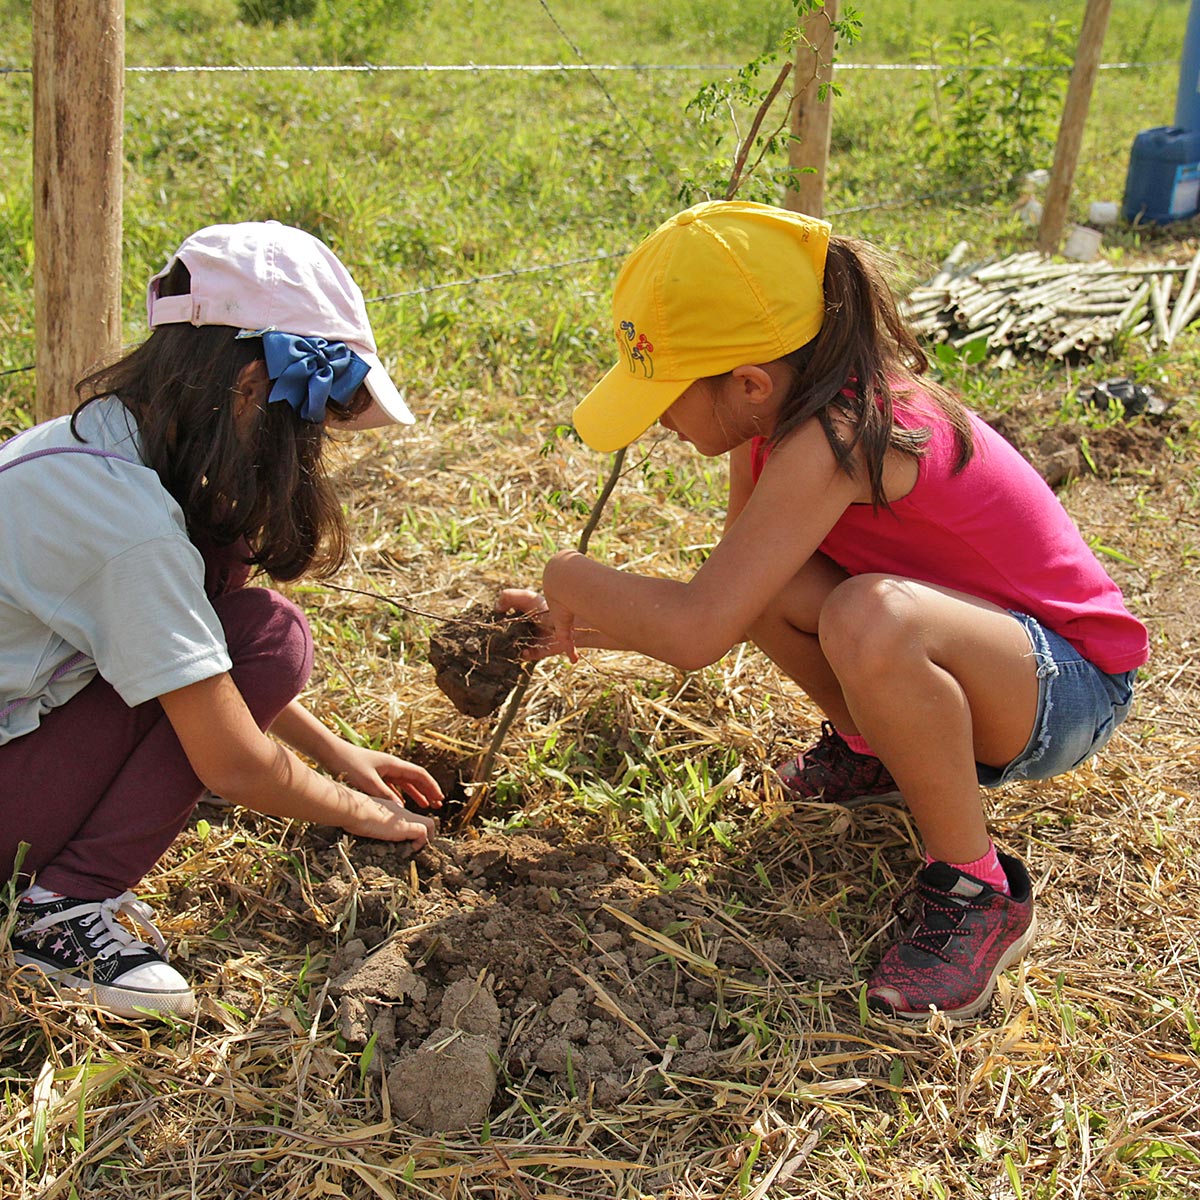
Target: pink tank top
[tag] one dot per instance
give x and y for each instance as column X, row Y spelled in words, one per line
column 996, row 531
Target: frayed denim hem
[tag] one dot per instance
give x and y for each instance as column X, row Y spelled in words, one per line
column 1078, row 709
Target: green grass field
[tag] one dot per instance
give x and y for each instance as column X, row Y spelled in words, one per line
column 427, row 179
column 1084, row 1084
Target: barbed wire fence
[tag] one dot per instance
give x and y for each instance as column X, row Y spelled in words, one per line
column 593, row 71
column 561, row 68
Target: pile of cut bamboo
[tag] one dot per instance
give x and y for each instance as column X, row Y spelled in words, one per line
column 1029, row 303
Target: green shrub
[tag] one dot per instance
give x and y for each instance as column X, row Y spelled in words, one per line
column 986, row 121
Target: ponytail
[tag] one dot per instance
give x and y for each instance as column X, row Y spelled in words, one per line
column 862, row 358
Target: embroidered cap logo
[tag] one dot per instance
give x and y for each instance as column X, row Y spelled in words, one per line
column 639, row 354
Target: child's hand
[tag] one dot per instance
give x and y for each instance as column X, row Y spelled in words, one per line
column 551, row 626
column 385, row 776
column 385, row 818
column 385, row 783
column 563, row 622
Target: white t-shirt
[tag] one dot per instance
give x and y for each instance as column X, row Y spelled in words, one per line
column 96, row 573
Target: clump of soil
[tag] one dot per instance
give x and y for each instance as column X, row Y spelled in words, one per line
column 1063, row 452
column 460, row 1055
column 478, row 658
column 551, row 959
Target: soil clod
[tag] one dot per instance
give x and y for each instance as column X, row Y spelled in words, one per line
column 478, row 658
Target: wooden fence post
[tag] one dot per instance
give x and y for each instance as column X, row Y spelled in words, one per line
column 78, row 112
column 1070, row 130
column 812, row 117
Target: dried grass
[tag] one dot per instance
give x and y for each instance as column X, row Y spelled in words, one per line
column 1083, row 1083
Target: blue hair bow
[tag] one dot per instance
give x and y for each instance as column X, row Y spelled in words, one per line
column 309, row 371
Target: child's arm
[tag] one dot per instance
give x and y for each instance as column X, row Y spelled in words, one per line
column 797, row 500
column 370, row 771
column 237, row 761
column 533, row 604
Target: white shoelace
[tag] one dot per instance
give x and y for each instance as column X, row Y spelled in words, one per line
column 112, row 937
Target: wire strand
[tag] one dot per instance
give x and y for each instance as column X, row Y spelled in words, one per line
column 511, row 273
column 580, row 67
column 650, row 155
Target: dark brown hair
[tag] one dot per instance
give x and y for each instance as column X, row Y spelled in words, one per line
column 858, row 363
column 262, row 478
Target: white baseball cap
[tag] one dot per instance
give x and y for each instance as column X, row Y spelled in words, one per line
column 260, row 275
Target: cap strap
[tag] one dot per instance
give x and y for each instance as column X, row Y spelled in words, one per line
column 170, row 310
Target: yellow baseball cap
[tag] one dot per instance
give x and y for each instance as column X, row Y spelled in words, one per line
column 720, row 285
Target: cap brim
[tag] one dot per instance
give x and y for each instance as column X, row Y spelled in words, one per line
column 389, row 407
column 620, row 408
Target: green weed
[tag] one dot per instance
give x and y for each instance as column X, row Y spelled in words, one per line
column 988, row 123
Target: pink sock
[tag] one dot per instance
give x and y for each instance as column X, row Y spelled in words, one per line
column 857, row 743
column 986, row 869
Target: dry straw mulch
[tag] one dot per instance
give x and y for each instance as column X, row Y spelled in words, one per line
column 742, row 1067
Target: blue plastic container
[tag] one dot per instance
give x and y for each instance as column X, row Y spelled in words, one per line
column 1187, row 98
column 1163, row 183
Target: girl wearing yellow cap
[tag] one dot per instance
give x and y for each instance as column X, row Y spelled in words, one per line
column 887, row 549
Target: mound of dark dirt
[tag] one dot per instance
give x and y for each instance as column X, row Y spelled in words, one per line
column 545, row 957
column 478, row 658
column 1064, row 451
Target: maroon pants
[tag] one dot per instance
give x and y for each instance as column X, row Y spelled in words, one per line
column 100, row 790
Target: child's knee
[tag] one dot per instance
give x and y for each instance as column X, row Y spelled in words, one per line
column 866, row 622
column 262, row 626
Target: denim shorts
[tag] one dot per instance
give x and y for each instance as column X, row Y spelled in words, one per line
column 1078, row 708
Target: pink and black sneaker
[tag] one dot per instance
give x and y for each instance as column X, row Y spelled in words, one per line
column 84, row 947
column 962, row 935
column 831, row 771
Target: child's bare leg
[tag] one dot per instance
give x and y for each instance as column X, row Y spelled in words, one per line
column 935, row 680
column 787, row 633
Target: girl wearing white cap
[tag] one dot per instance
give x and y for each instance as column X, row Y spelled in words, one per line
column 888, row 550
column 136, row 668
